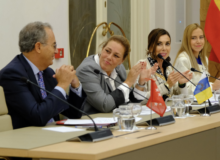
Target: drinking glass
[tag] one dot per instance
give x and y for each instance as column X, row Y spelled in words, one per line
column 136, row 109
column 188, row 100
column 126, row 115
column 126, row 120
column 177, row 106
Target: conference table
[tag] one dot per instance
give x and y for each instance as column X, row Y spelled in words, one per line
column 188, row 138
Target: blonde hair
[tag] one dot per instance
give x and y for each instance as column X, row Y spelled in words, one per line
column 186, row 46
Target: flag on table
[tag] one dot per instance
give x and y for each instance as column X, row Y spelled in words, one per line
column 203, row 90
column 212, row 29
column 156, row 100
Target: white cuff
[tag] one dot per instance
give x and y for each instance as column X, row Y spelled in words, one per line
column 125, row 91
column 137, row 96
column 78, row 90
column 61, row 90
column 183, row 90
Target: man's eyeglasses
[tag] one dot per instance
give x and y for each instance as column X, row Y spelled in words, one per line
column 54, row 45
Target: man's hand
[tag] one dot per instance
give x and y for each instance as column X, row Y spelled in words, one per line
column 75, row 82
column 65, row 75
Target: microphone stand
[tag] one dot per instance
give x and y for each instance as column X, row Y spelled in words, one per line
column 148, row 128
column 98, row 135
column 161, row 121
column 194, row 70
column 98, row 72
column 210, row 104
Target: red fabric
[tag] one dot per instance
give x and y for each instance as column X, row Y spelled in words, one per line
column 212, row 31
column 156, row 100
column 213, row 57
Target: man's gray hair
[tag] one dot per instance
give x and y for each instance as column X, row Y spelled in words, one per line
column 31, row 34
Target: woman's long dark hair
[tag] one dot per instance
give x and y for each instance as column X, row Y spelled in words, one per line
column 153, row 38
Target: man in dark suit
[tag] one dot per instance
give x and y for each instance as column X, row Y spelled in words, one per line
column 27, row 104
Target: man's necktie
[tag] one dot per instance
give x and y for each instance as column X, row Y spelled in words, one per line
column 43, row 93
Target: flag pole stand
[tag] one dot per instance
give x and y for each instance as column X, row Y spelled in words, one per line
column 205, row 114
column 151, row 127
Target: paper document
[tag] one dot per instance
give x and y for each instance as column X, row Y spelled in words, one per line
column 88, row 121
column 63, row 129
column 137, row 119
column 98, row 120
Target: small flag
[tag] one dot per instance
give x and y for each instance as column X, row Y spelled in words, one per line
column 156, row 100
column 203, row 90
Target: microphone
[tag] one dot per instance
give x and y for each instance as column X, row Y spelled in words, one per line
column 95, row 136
column 194, row 70
column 98, row 72
column 161, row 121
column 211, row 109
column 161, row 57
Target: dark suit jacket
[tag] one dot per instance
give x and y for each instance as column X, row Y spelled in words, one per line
column 24, row 101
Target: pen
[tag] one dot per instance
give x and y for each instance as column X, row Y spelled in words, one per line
column 87, row 127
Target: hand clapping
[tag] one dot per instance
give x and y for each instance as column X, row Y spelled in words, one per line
column 177, row 77
column 146, row 73
column 66, row 75
column 216, row 84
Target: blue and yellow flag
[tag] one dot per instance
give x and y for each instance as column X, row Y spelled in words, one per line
column 203, row 90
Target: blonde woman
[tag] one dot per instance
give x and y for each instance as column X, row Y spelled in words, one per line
column 192, row 54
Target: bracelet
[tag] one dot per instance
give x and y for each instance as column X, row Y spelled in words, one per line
column 142, row 86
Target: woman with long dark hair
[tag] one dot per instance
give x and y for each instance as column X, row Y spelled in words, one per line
column 159, row 42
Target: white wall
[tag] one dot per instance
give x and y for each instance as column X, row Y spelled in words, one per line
column 15, row 14
column 165, row 18
column 192, row 11
column 145, row 16
column 139, row 29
